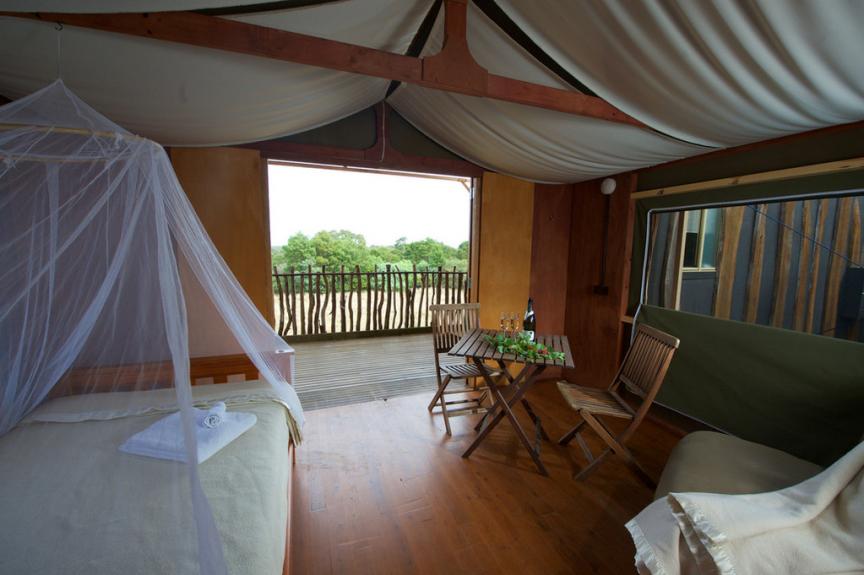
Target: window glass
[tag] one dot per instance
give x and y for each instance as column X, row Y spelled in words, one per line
column 796, row 265
column 709, row 238
column 692, row 222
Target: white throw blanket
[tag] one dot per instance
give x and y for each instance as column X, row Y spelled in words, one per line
column 214, row 429
column 816, row 526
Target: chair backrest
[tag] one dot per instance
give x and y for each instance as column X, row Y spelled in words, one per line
column 646, row 362
column 451, row 321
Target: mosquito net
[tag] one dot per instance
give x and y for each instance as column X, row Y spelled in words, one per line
column 112, row 299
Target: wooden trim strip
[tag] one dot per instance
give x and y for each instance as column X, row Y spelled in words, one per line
column 449, row 71
column 772, row 176
column 761, row 144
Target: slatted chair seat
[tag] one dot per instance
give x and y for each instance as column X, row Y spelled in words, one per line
column 599, row 401
column 449, row 323
column 641, row 373
column 461, row 370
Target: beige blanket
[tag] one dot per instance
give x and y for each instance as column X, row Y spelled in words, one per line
column 814, row 527
column 71, row 503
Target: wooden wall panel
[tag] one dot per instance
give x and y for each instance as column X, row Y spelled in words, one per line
column 506, row 221
column 550, row 250
column 593, row 321
column 228, row 191
column 550, row 253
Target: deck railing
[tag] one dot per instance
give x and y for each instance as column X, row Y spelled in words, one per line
column 312, row 303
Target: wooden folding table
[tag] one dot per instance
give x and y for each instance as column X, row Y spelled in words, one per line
column 473, row 345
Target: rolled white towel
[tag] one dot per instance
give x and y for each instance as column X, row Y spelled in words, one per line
column 213, row 417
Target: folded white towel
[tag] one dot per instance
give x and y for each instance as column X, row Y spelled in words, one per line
column 164, row 439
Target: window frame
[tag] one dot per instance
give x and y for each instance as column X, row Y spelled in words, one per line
column 700, row 241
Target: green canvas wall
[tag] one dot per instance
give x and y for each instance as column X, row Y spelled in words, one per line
column 801, row 393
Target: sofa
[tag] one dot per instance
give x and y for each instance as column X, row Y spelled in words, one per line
column 712, row 462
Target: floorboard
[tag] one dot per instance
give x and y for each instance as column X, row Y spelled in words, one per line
column 380, row 489
column 342, row 372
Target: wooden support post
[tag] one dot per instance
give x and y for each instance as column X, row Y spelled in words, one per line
column 454, row 66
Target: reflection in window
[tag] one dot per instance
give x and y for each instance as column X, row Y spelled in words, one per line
column 794, row 265
column 700, row 238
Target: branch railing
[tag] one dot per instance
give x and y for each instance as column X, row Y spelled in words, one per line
column 350, row 301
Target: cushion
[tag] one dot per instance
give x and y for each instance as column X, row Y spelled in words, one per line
column 711, row 462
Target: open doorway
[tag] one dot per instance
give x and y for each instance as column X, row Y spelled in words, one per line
column 364, row 252
column 361, row 253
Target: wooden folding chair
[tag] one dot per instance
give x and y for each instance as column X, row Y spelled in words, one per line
column 642, row 373
column 449, row 323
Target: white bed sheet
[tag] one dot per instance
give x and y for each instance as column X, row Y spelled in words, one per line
column 100, row 511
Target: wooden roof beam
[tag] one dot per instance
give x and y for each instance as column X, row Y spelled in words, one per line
column 451, row 70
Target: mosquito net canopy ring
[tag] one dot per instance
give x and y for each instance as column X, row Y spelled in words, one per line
column 112, row 297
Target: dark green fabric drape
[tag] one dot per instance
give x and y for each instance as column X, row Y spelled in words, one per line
column 845, row 181
column 801, row 393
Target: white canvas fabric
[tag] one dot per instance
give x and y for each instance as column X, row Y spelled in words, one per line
column 713, row 72
column 115, row 6
column 100, row 249
column 525, row 141
column 816, row 526
column 700, row 75
column 180, row 95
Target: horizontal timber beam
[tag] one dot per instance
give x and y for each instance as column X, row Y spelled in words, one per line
column 772, row 176
column 450, row 71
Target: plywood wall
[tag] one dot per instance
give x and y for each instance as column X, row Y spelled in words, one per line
column 506, row 222
column 227, row 188
column 550, row 248
column 593, row 320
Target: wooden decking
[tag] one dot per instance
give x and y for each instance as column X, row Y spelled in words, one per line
column 380, row 489
column 341, row 372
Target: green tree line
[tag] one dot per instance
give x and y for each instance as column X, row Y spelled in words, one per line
column 332, row 249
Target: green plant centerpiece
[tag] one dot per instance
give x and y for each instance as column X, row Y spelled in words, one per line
column 522, row 345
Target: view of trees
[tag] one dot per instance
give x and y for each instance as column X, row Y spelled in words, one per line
column 336, row 248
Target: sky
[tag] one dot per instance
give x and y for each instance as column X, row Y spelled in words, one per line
column 381, row 207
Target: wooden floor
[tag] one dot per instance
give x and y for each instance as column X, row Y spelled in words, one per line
column 380, row 489
column 341, row 372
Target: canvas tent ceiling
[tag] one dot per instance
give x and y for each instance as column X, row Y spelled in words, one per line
column 700, row 75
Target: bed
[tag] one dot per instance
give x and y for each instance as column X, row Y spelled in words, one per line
column 64, row 509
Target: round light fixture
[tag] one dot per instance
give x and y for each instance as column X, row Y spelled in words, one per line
column 607, row 186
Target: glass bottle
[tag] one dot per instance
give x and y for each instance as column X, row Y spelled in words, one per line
column 529, row 324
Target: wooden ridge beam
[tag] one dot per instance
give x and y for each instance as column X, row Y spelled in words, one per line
column 452, row 70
